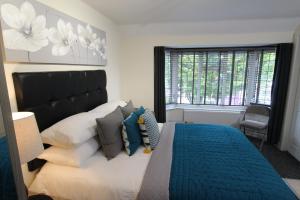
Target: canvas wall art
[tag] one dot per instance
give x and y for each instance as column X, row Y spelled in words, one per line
column 35, row 33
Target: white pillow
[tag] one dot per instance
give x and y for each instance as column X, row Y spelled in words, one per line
column 72, row 131
column 73, row 157
column 108, row 107
column 160, row 127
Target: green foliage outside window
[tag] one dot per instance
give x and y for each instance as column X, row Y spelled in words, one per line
column 219, row 77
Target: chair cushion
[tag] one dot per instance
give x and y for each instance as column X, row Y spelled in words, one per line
column 254, row 124
column 256, row 117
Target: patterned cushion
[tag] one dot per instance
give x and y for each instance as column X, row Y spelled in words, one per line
column 144, row 133
column 149, row 129
column 131, row 134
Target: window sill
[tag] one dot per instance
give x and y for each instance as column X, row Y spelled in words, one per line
column 206, row 108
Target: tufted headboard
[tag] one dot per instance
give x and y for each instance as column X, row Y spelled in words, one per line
column 53, row 96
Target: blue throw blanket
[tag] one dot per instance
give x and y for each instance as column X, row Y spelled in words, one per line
column 213, row 162
column 7, row 185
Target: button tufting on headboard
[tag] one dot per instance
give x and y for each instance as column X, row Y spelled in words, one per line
column 53, row 96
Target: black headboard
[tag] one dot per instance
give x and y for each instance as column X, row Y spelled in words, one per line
column 53, row 96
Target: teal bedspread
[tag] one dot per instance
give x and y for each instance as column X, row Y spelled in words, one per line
column 213, row 162
column 7, row 185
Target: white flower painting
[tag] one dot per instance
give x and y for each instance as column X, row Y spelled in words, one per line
column 27, row 31
column 62, row 38
column 90, row 40
column 102, row 48
column 35, row 33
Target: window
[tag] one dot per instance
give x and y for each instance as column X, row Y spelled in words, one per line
column 223, row 76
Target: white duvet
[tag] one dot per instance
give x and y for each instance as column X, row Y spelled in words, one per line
column 98, row 179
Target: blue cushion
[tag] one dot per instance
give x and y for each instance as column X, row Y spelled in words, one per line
column 131, row 134
column 140, row 111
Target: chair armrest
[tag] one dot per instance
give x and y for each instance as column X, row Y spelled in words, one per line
column 242, row 116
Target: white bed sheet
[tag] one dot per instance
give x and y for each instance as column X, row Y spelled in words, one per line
column 117, row 179
column 97, row 179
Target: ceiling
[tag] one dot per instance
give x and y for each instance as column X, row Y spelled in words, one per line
column 126, row 12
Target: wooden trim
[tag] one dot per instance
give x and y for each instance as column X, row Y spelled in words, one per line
column 259, row 75
column 245, row 78
column 232, row 76
column 205, row 80
column 180, row 89
column 193, row 86
column 9, row 130
column 219, row 76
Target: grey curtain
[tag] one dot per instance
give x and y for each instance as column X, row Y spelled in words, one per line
column 159, row 84
column 279, row 90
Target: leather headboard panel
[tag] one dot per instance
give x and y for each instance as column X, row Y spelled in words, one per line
column 53, row 96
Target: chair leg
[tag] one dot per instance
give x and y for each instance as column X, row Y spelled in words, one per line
column 261, row 144
column 242, row 128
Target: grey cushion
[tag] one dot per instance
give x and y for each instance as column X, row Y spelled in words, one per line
column 128, row 109
column 256, row 117
column 109, row 130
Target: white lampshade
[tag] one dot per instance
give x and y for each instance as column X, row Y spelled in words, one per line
column 28, row 137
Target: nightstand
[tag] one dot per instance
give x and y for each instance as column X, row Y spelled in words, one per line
column 39, row 197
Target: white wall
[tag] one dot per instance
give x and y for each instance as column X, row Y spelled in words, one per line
column 175, row 115
column 291, row 132
column 138, row 41
column 205, row 116
column 212, row 117
column 83, row 12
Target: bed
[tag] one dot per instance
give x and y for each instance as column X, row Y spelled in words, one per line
column 119, row 178
column 205, row 161
column 97, row 179
column 191, row 161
